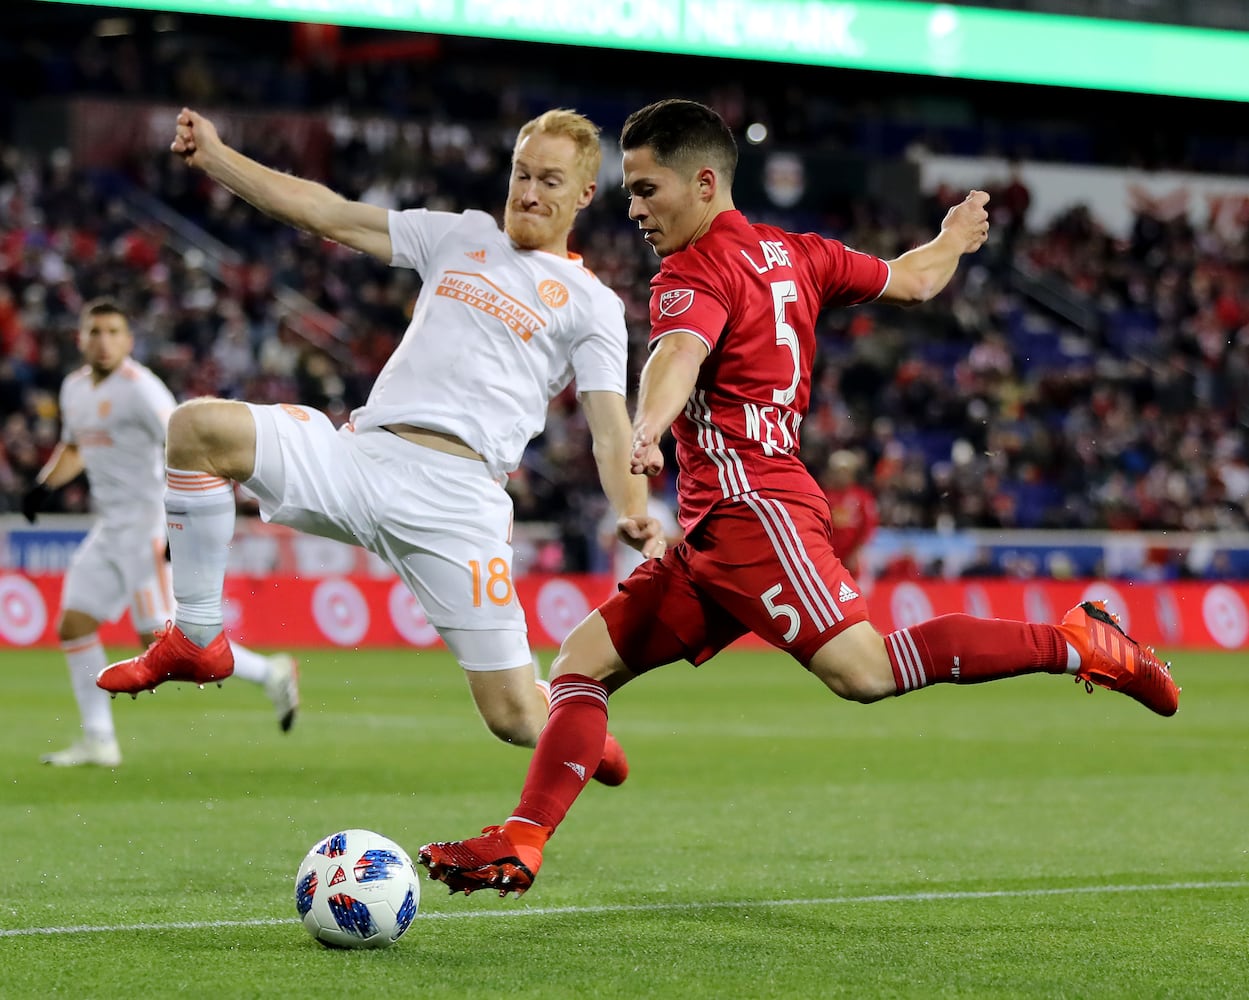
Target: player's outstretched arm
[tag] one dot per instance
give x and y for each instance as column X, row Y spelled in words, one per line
column 302, row 203
column 63, row 466
column 608, row 419
column 921, row 273
column 668, row 379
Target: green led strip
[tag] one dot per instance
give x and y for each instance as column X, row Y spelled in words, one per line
column 923, row 38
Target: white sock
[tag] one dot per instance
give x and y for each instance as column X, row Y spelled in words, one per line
column 86, row 659
column 1073, row 659
column 249, row 665
column 200, row 510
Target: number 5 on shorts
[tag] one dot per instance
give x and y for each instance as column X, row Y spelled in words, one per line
column 497, row 586
column 782, row 611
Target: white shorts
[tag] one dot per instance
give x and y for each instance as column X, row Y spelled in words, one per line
column 439, row 521
column 120, row 566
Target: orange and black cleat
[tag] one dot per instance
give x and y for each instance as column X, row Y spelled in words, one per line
column 1110, row 658
column 490, row 861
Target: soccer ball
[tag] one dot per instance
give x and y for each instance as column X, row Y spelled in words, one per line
column 357, row 889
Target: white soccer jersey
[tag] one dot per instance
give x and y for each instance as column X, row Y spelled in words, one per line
column 119, row 429
column 496, row 333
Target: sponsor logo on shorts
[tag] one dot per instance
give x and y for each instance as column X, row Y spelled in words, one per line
column 675, row 301
column 553, row 293
column 846, row 593
column 298, row 412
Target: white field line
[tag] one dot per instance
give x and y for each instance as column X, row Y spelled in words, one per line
column 750, row 904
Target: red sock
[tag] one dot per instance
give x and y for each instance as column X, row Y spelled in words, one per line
column 569, row 750
column 960, row 649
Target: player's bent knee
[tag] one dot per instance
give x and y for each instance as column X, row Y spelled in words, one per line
column 519, row 729
column 508, row 700
column 855, row 666
column 212, row 435
column 862, row 685
column 75, row 625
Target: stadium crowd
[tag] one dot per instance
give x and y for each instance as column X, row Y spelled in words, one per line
column 981, row 410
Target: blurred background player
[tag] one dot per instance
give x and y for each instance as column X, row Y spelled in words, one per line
column 113, row 417
column 852, row 509
column 733, row 315
column 503, row 322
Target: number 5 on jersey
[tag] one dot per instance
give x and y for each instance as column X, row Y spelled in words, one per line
column 496, row 586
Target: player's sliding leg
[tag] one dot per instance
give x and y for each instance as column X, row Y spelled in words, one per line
column 208, row 441
column 84, row 655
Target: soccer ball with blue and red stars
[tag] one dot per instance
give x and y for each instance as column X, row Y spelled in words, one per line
column 357, row 889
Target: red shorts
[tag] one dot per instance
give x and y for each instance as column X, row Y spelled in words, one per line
column 762, row 564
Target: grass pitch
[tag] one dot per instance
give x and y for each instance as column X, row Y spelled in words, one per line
column 1018, row 839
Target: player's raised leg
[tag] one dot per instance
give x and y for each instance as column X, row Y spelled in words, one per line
column 861, row 665
column 210, row 443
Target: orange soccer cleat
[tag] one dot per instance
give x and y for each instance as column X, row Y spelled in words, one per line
column 1110, row 658
column 172, row 657
column 491, row 861
column 614, row 767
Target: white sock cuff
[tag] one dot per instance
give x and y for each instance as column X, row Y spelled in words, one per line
column 80, row 645
column 196, row 489
column 521, row 819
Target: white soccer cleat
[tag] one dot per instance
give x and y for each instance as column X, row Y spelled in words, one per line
column 88, row 750
column 282, row 687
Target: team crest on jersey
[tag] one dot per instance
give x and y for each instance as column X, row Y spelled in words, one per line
column 675, row 301
column 553, row 293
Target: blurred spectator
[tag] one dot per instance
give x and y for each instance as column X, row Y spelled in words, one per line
column 853, row 508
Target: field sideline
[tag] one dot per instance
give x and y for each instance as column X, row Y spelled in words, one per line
column 1015, row 839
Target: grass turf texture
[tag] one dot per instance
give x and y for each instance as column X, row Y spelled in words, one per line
column 1018, row 839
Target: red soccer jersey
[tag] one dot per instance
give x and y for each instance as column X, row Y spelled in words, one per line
column 752, row 292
